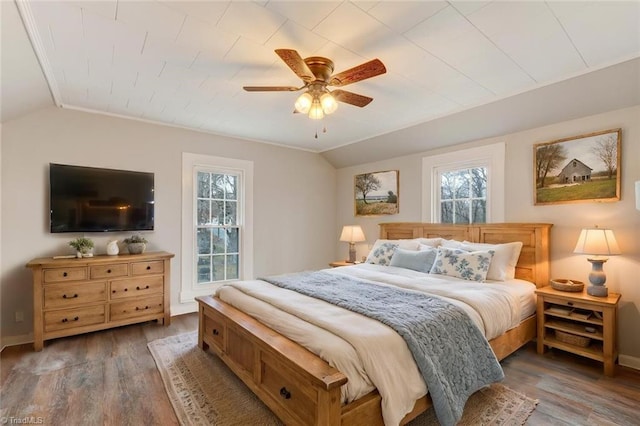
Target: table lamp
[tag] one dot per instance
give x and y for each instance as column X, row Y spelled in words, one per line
column 352, row 234
column 599, row 243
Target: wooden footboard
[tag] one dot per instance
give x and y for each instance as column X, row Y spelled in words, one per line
column 298, row 386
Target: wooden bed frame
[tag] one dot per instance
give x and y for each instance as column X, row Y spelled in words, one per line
column 300, row 387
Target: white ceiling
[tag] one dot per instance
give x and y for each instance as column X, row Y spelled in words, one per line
column 184, row 63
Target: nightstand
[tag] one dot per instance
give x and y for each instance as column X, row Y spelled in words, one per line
column 339, row 263
column 578, row 323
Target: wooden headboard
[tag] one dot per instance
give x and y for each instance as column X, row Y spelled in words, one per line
column 533, row 264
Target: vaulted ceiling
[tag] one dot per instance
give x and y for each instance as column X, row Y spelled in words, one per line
column 185, row 63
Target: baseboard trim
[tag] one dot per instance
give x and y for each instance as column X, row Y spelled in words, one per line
column 629, row 361
column 184, row 308
column 16, row 340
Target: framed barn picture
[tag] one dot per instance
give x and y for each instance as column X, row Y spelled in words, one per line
column 578, row 169
column 376, row 193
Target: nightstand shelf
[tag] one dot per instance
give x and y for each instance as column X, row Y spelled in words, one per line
column 574, row 313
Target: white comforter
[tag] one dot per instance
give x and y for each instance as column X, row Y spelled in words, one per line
column 362, row 348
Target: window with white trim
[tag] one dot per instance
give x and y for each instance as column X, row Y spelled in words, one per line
column 465, row 186
column 217, row 224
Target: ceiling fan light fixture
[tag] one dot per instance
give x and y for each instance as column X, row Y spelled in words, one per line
column 328, row 102
column 303, row 103
column 316, row 112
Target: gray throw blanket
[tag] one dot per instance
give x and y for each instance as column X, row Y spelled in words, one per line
column 451, row 353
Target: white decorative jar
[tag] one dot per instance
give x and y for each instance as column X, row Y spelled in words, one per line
column 112, row 248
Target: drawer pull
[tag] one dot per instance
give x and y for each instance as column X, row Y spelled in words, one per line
column 138, row 288
column 64, row 296
column 108, row 271
column 570, row 303
column 64, row 274
column 67, row 320
column 148, row 268
column 285, row 393
column 142, row 309
column 216, row 332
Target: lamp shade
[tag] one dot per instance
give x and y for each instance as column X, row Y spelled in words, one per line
column 352, row 234
column 597, row 241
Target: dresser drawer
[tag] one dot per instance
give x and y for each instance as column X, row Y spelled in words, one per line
column 71, row 318
column 214, row 328
column 147, row 268
column 61, row 295
column 135, row 287
column 65, row 274
column 136, row 308
column 109, row 271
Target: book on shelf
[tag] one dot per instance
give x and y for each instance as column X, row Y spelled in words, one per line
column 559, row 310
column 581, row 314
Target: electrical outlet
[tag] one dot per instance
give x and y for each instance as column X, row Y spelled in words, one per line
column 19, row 316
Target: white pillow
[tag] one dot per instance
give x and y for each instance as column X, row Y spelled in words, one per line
column 431, row 242
column 451, row 243
column 472, row 266
column 503, row 264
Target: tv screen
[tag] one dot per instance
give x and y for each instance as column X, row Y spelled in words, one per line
column 88, row 199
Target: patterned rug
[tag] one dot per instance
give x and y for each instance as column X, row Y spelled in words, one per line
column 203, row 391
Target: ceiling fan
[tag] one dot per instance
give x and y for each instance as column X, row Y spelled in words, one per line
column 316, row 73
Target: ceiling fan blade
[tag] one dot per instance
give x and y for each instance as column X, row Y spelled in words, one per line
column 361, row 72
column 271, row 88
column 294, row 61
column 351, row 98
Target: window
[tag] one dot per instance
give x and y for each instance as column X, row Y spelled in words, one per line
column 463, row 195
column 465, row 186
column 217, row 224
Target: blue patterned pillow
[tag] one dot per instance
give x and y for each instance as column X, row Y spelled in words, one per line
column 382, row 254
column 421, row 261
column 472, row 266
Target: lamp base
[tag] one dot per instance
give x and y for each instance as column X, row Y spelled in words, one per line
column 352, row 253
column 598, row 291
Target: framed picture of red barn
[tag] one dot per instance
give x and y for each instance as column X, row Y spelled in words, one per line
column 578, row 169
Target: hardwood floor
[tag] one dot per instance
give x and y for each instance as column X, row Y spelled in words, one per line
column 110, row 378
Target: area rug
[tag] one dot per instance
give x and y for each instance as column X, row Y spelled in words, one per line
column 203, row 391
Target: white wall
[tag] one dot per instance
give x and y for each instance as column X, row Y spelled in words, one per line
column 294, row 195
column 622, row 271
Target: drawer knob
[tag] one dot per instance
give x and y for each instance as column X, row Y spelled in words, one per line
column 64, row 274
column 145, row 288
column 148, row 268
column 67, row 320
column 285, row 393
column 76, row 318
column 64, row 296
column 142, row 309
column 108, row 271
column 216, row 332
column 64, row 320
column 570, row 303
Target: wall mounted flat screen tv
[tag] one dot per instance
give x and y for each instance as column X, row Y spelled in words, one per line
column 88, row 199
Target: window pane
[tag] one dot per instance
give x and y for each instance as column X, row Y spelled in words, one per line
column 218, row 240
column 232, row 267
column 217, row 186
column 204, row 241
column 479, row 211
column 446, row 186
column 479, row 182
column 232, row 240
column 204, row 269
column 232, row 192
column 461, row 211
column 446, row 212
column 203, row 185
column 231, row 213
column 462, row 189
column 204, row 212
column 217, row 213
column 218, row 268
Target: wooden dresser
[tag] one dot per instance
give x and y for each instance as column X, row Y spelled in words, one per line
column 73, row 296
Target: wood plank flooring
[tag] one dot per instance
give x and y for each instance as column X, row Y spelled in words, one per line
column 110, row 378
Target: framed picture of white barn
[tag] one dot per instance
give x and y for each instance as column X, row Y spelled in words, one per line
column 578, row 169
